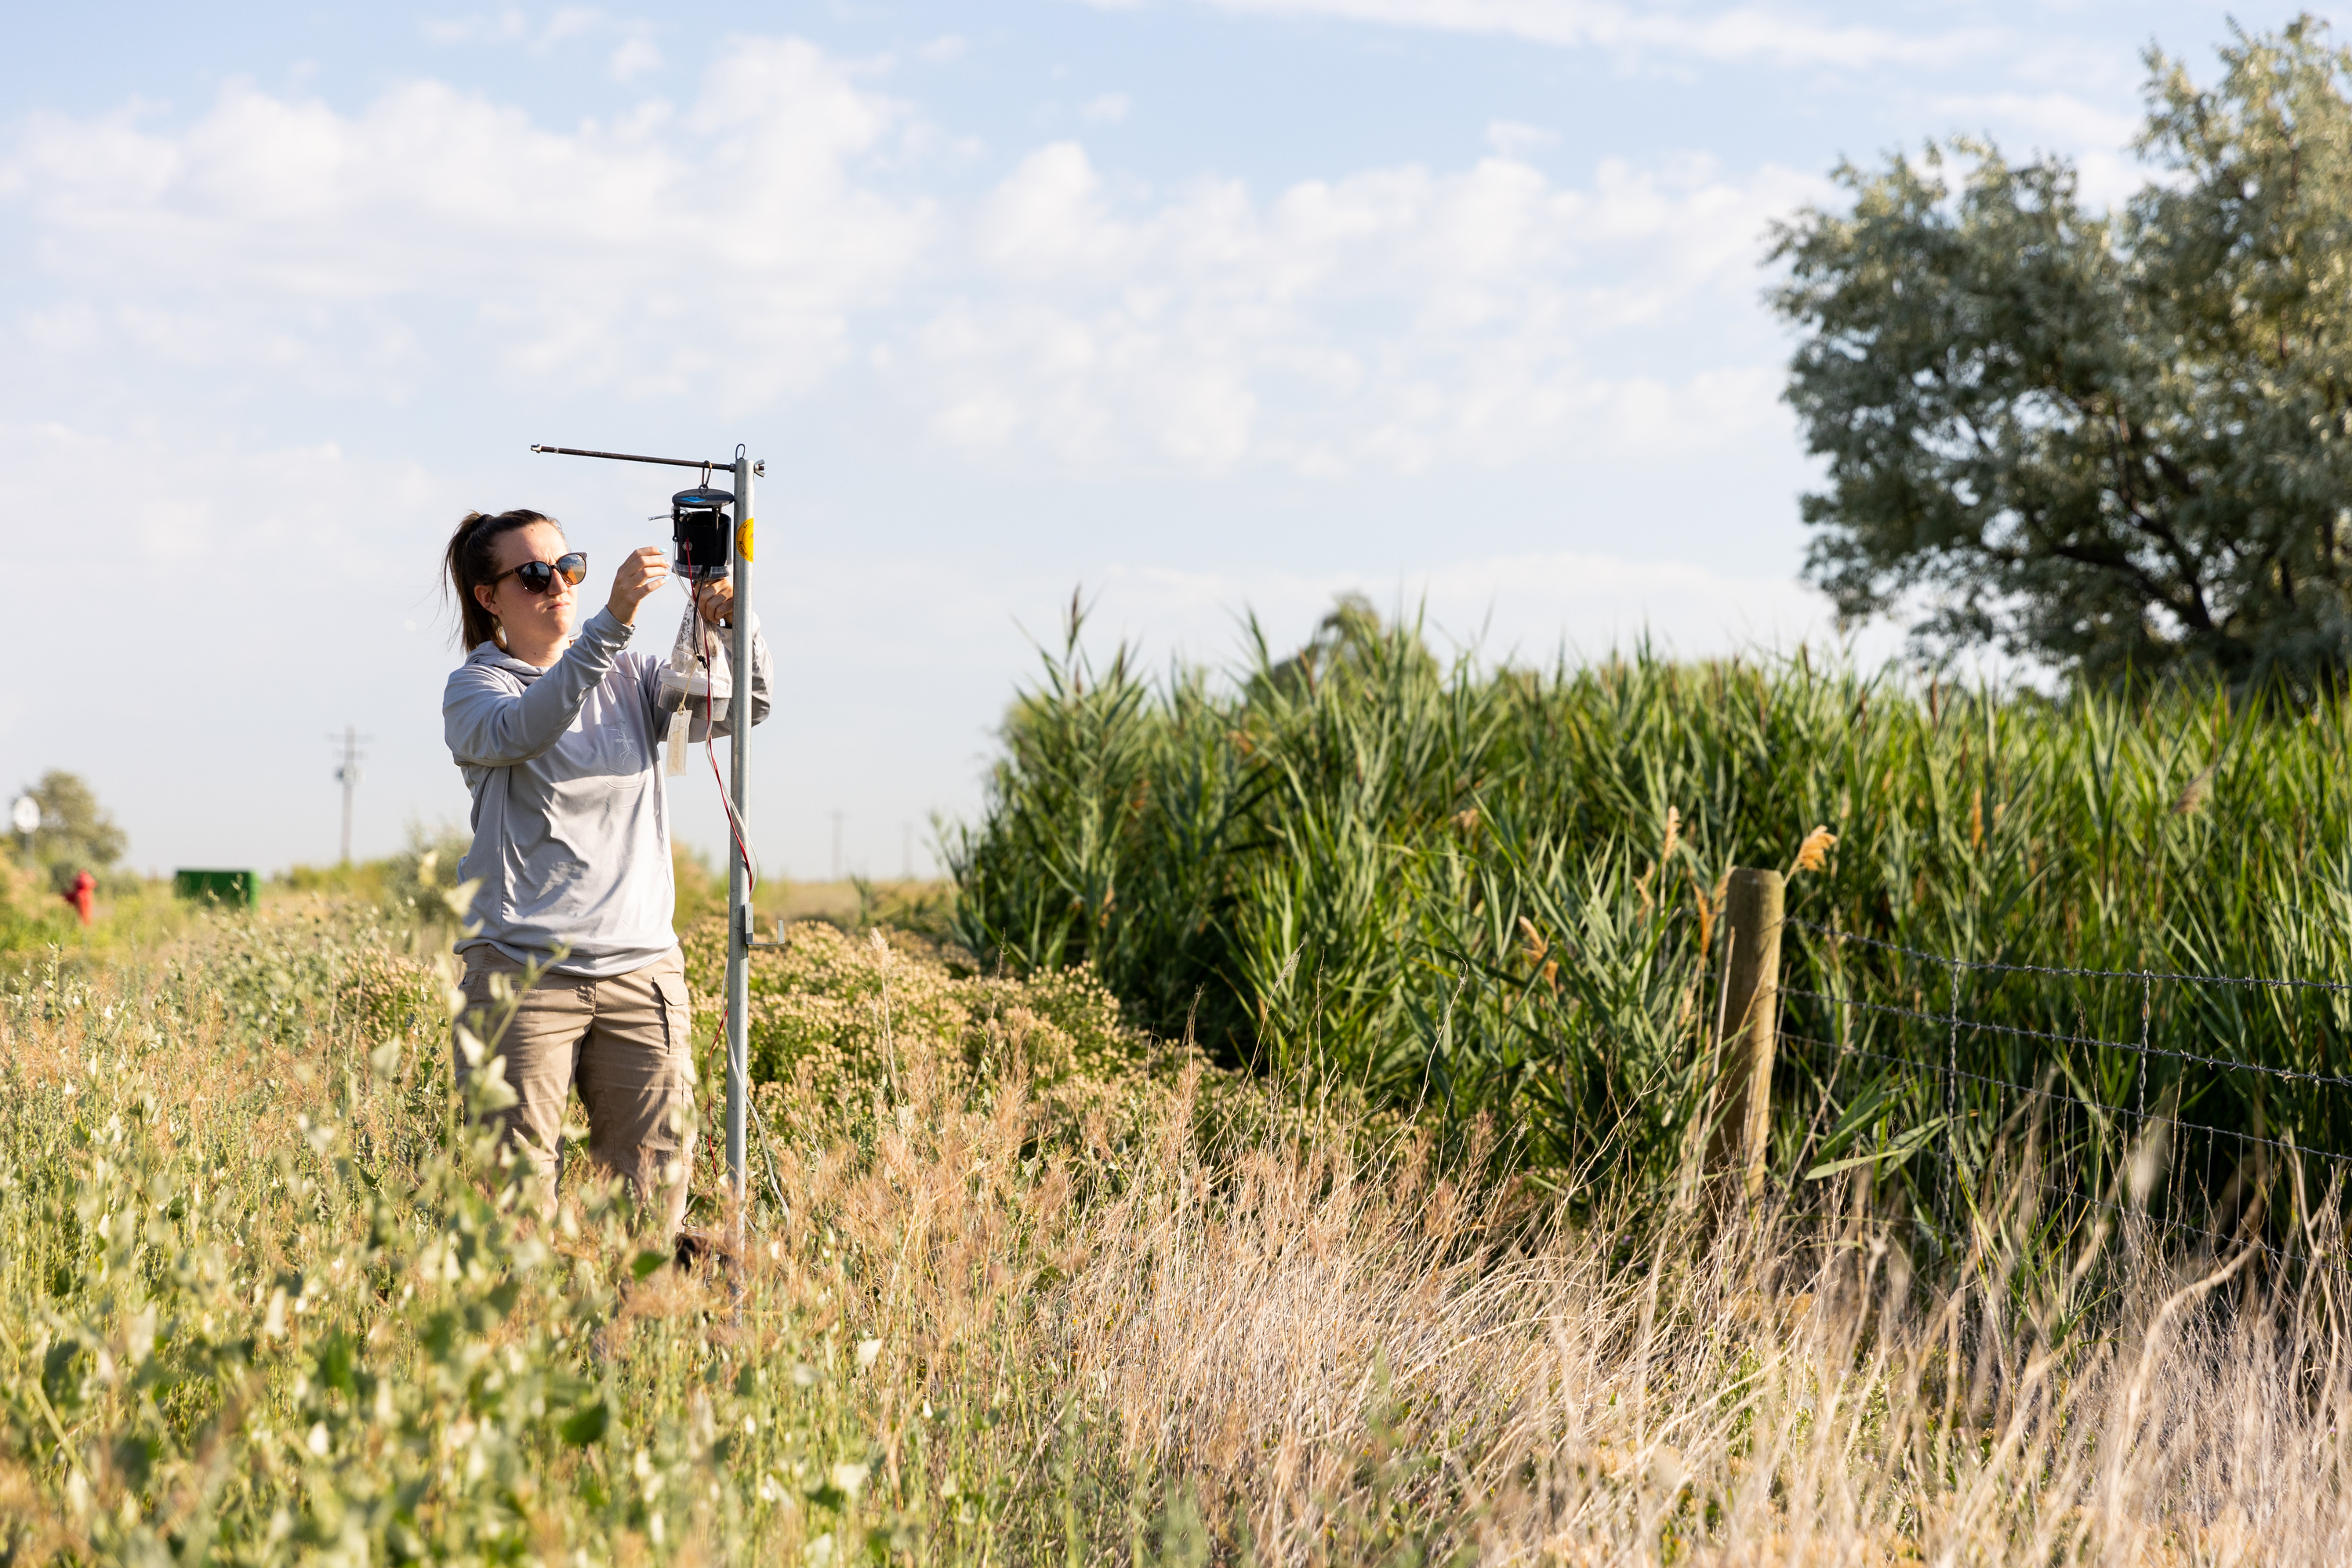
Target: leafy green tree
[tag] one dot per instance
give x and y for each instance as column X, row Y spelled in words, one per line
column 2107, row 441
column 1349, row 639
column 76, row 833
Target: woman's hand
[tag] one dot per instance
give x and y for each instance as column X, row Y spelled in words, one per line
column 644, row 571
column 715, row 601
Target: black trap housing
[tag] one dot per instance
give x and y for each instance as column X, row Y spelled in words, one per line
column 698, row 528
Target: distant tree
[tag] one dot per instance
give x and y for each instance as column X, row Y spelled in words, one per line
column 2106, row 441
column 1349, row 639
column 76, row 834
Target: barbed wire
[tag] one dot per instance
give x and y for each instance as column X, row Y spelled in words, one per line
column 1988, row 964
column 2084, row 1190
column 1955, row 1021
column 2141, row 1117
column 2085, row 1194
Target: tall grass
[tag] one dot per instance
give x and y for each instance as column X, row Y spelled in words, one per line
column 1498, row 892
column 1022, row 1287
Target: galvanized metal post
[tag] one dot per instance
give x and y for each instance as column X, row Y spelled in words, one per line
column 740, row 923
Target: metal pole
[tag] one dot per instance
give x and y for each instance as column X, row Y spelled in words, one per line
column 739, row 871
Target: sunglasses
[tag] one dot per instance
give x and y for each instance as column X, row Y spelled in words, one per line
column 538, row 576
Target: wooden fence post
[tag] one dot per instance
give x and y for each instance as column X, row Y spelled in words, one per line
column 1752, row 909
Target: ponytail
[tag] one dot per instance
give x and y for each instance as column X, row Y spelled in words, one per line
column 470, row 561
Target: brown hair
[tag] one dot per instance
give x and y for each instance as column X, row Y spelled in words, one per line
column 470, row 562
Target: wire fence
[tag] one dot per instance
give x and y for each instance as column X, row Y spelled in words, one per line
column 2154, row 1101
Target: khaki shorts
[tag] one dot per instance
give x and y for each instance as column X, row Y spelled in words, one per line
column 625, row 1044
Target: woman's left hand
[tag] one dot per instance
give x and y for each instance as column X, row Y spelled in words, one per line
column 715, row 600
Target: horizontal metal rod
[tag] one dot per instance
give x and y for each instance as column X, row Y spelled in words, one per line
column 631, row 457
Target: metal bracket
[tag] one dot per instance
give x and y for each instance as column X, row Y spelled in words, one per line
column 743, row 932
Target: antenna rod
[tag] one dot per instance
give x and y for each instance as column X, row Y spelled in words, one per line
column 633, row 458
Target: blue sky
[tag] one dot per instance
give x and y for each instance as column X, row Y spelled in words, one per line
column 1200, row 306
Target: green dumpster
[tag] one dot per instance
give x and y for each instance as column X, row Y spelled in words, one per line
column 217, row 886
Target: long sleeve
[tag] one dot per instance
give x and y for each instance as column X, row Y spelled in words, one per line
column 699, row 729
column 760, row 673
column 488, row 724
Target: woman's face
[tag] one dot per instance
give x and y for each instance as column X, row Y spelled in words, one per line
column 531, row 619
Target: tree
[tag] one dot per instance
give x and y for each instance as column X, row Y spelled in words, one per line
column 2108, row 442
column 76, row 834
column 1348, row 640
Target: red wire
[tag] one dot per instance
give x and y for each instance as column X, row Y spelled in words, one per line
column 709, row 722
column 734, row 823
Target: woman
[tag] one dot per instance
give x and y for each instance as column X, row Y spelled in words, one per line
column 554, row 726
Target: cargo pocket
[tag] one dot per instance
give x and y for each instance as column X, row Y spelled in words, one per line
column 677, row 1020
column 677, row 1025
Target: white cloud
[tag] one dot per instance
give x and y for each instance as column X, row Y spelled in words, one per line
column 251, row 553
column 1739, row 32
column 1110, row 109
column 747, row 245
column 2061, row 119
column 504, row 27
column 1388, row 321
column 1521, row 608
column 633, row 59
column 2097, row 140
column 563, row 23
column 615, row 254
column 1510, row 139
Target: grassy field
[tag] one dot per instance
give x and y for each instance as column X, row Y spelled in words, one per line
column 1280, row 1146
column 1022, row 1284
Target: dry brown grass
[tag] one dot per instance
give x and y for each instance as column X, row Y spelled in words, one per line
column 1332, row 1352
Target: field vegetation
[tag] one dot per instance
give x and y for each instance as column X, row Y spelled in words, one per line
column 1022, row 1283
column 1494, row 894
column 1287, row 1145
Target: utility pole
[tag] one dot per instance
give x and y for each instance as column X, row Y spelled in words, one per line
column 836, row 844
column 348, row 775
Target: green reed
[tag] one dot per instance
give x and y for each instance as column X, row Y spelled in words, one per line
column 1497, row 891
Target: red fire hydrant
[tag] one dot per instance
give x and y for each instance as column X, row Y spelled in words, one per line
column 84, row 896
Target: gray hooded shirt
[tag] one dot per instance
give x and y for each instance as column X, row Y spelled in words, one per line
column 571, row 818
